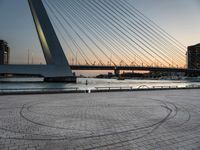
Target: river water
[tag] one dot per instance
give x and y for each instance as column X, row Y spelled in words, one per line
column 92, row 83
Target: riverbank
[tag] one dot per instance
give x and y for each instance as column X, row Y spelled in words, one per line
column 94, row 90
column 88, row 85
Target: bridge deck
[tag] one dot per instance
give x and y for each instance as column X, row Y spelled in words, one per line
column 49, row 70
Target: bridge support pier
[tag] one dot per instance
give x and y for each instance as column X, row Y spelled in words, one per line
column 50, row 73
column 52, row 49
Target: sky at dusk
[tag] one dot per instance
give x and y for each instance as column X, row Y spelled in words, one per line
column 180, row 18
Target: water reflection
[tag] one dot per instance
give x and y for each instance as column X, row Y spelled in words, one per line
column 87, row 83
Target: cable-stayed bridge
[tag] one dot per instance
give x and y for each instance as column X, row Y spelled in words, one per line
column 99, row 35
column 112, row 32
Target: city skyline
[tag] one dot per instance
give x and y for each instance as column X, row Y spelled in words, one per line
column 19, row 31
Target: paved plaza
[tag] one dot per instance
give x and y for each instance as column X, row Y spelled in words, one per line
column 143, row 120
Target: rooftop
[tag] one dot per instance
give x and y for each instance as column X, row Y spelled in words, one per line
column 197, row 45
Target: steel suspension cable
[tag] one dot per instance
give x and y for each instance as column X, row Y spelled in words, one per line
column 86, row 59
column 99, row 32
column 93, row 33
column 56, row 8
column 103, row 11
column 99, row 16
column 162, row 31
column 162, row 55
column 85, row 33
column 141, row 27
column 100, row 25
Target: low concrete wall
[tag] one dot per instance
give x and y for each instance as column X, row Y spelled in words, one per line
column 97, row 90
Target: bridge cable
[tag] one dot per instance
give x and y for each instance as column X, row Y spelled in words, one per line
column 130, row 7
column 105, row 15
column 99, row 32
column 141, row 37
column 152, row 29
column 94, row 28
column 82, row 22
column 145, row 30
column 56, row 8
column 83, row 55
column 100, row 17
column 110, row 34
column 86, row 34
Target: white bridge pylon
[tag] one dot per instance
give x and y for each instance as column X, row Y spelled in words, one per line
column 57, row 68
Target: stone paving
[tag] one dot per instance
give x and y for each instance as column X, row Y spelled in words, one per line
column 148, row 120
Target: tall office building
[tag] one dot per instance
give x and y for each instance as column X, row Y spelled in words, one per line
column 193, row 57
column 4, row 52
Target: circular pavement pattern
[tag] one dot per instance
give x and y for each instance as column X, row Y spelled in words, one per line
column 127, row 120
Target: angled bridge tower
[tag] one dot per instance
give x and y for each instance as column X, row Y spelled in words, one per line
column 51, row 47
column 57, row 68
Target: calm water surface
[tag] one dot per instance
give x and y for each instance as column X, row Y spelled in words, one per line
column 37, row 84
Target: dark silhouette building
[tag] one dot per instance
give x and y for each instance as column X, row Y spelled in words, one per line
column 193, row 57
column 4, row 52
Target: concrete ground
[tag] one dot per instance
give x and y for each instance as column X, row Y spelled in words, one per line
column 148, row 120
